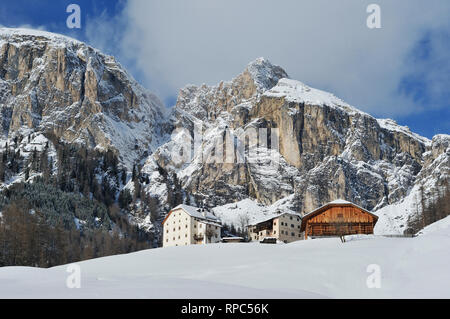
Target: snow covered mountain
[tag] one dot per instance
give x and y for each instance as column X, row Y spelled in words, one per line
column 51, row 85
column 328, row 150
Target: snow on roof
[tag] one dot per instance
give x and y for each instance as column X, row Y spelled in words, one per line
column 340, row 201
column 262, row 220
column 196, row 212
column 337, row 202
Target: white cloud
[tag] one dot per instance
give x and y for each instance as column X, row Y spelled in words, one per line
column 323, row 43
column 27, row 26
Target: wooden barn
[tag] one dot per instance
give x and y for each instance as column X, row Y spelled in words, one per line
column 338, row 218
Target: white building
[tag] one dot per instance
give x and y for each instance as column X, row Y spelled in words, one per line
column 188, row 225
column 284, row 226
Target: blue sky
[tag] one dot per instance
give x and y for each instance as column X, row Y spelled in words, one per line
column 169, row 51
column 51, row 14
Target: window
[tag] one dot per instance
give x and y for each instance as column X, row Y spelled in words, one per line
column 291, row 217
column 179, row 228
column 186, row 226
column 167, row 240
column 292, row 225
column 185, row 236
column 292, row 234
column 167, row 231
column 274, row 223
column 274, row 231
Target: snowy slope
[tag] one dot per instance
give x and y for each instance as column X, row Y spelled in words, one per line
column 306, row 269
column 233, row 214
column 392, row 126
column 298, row 92
column 440, row 227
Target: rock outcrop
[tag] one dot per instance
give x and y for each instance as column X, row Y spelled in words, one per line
column 311, row 146
column 328, row 149
column 52, row 83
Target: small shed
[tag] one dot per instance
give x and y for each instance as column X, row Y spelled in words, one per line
column 269, row 240
column 338, row 218
column 233, row 240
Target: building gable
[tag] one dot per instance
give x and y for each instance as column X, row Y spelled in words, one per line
column 332, row 212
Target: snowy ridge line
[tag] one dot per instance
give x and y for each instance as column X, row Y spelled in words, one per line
column 11, row 32
column 392, row 125
column 296, row 91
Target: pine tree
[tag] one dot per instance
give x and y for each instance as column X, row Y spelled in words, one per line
column 124, row 176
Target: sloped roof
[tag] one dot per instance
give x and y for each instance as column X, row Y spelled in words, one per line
column 195, row 212
column 338, row 202
column 265, row 219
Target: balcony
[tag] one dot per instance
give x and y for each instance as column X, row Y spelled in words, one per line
column 198, row 237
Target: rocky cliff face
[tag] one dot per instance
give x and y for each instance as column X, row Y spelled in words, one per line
column 51, row 83
column 312, row 147
column 328, row 148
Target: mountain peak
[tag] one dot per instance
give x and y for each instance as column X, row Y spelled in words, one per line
column 265, row 74
column 76, row 92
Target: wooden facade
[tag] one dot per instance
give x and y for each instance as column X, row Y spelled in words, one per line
column 337, row 219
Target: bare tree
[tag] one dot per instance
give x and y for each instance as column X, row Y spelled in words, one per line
column 341, row 228
column 244, row 220
column 209, row 232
